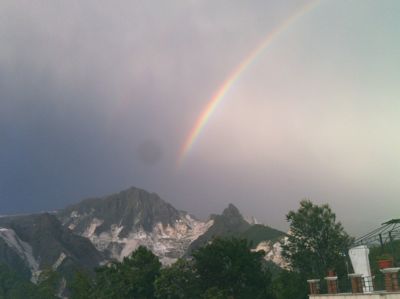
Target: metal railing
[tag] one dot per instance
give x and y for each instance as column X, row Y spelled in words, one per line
column 368, row 284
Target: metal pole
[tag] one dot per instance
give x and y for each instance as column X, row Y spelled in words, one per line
column 381, row 241
column 392, row 247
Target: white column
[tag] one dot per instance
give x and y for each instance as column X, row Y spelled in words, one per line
column 360, row 261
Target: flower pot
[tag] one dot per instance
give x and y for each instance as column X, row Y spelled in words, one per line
column 383, row 264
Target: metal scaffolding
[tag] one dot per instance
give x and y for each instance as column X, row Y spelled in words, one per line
column 383, row 236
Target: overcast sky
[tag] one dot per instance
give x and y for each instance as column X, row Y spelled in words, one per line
column 97, row 96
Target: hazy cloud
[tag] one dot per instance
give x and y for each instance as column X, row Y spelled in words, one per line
column 96, row 96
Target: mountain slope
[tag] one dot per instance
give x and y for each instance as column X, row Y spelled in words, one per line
column 34, row 242
column 117, row 224
column 129, row 209
column 232, row 224
column 229, row 223
column 11, row 257
column 98, row 230
column 258, row 233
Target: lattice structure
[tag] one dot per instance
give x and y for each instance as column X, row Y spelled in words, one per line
column 388, row 232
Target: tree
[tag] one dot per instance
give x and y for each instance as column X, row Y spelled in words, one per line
column 132, row 278
column 214, row 293
column 178, row 281
column 140, row 270
column 15, row 286
column 316, row 242
column 231, row 268
column 290, row 284
column 109, row 283
column 49, row 283
column 81, row 286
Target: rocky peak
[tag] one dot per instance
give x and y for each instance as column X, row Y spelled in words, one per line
column 131, row 209
column 232, row 212
column 229, row 223
column 118, row 223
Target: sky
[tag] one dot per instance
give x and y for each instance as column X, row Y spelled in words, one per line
column 98, row 96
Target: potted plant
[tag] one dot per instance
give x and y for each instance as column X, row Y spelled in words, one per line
column 385, row 261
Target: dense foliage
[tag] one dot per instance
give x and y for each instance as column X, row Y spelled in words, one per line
column 225, row 268
column 132, row 278
column 178, row 281
column 14, row 286
column 230, row 265
column 316, row 242
column 390, row 249
column 290, row 285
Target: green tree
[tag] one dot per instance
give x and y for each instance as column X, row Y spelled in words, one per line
column 290, row 284
column 178, row 281
column 231, row 267
column 49, row 283
column 140, row 270
column 132, row 278
column 316, row 242
column 108, row 282
column 15, row 286
column 81, row 286
column 214, row 293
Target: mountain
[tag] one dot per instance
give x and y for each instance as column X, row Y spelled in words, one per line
column 258, row 233
column 97, row 230
column 229, row 223
column 16, row 254
column 119, row 223
column 232, row 224
column 30, row 243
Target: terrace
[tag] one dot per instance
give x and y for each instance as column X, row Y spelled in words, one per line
column 375, row 261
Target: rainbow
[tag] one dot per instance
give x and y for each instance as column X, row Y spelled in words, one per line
column 234, row 76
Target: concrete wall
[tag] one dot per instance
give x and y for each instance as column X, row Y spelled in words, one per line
column 359, row 296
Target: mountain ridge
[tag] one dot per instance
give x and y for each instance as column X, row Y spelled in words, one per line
column 96, row 230
column 116, row 224
column 40, row 241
